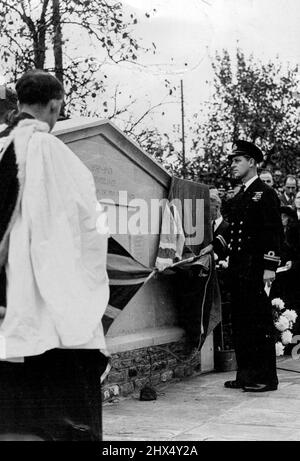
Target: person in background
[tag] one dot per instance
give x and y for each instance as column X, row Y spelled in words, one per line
column 287, row 198
column 297, row 204
column 222, row 192
column 214, row 189
column 230, row 194
column 219, row 225
column 267, row 178
column 8, row 107
column 278, row 177
column 286, row 284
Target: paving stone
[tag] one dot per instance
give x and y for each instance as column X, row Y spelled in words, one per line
column 261, row 417
column 217, row 431
column 200, row 408
column 278, row 405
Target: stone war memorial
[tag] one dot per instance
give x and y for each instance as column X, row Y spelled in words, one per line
column 145, row 337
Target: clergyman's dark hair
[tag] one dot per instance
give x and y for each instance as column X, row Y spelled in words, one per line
column 38, row 87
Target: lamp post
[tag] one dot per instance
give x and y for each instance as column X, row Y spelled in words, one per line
column 182, row 130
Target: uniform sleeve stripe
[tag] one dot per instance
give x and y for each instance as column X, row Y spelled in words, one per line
column 272, row 258
column 222, row 240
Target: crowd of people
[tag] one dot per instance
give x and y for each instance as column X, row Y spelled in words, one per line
column 287, row 188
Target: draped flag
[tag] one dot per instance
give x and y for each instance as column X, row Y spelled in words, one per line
column 126, row 277
column 186, row 251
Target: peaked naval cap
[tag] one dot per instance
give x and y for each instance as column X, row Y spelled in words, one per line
column 246, row 148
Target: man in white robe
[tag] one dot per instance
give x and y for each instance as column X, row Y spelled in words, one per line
column 52, row 346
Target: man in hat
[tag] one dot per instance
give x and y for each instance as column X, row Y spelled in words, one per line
column 254, row 238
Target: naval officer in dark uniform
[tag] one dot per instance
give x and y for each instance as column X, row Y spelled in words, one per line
column 254, row 237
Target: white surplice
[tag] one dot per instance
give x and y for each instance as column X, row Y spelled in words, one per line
column 57, row 289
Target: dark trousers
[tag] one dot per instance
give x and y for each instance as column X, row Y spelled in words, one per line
column 252, row 324
column 56, row 395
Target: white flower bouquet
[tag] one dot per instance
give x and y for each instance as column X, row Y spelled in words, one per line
column 222, row 264
column 284, row 320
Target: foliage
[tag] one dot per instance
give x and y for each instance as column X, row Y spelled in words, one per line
column 251, row 100
column 35, row 34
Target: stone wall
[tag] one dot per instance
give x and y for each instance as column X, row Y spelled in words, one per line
column 131, row 370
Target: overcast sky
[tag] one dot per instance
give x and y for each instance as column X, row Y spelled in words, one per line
column 189, row 31
column 186, row 33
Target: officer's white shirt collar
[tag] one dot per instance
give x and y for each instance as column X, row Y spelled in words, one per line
column 250, row 181
column 218, row 222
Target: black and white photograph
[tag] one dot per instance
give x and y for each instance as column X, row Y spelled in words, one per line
column 149, row 223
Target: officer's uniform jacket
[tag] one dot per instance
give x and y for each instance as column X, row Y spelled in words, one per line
column 255, row 227
column 219, row 241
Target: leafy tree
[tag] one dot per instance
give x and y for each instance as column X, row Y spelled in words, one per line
column 34, row 35
column 164, row 147
column 251, row 100
column 157, row 145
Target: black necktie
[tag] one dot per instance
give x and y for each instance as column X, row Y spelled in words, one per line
column 241, row 191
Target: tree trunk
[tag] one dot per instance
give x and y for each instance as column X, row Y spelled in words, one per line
column 39, row 54
column 39, row 36
column 57, row 41
column 58, row 44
